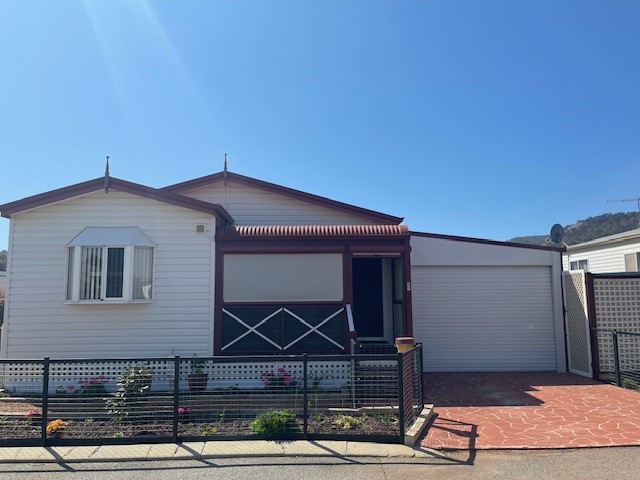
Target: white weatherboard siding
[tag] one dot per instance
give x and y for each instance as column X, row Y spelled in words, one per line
column 603, row 259
column 479, row 307
column 253, row 206
column 179, row 319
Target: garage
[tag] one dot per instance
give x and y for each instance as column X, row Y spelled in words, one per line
column 486, row 306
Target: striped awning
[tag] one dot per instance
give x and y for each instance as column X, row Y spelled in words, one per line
column 313, row 230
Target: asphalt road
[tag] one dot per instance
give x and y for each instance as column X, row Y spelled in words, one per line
column 584, row 464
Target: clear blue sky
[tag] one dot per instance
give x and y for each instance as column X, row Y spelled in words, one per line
column 479, row 118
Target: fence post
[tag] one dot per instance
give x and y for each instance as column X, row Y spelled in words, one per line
column 400, row 397
column 176, row 395
column 45, row 400
column 421, row 373
column 616, row 358
column 305, row 394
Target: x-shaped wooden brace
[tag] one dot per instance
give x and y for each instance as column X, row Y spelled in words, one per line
column 253, row 329
column 313, row 329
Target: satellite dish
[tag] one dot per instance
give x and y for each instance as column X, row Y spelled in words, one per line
column 557, row 233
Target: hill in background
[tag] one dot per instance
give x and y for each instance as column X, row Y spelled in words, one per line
column 590, row 228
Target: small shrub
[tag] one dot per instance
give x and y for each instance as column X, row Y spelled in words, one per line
column 274, row 422
column 88, row 420
column 630, row 383
column 119, row 435
column 134, row 382
column 209, row 431
column 347, row 422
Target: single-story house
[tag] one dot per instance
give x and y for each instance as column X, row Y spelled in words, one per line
column 231, row 265
column 611, row 254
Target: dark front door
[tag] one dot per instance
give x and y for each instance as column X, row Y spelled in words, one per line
column 368, row 315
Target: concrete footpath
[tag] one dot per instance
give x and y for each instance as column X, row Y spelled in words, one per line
column 200, row 450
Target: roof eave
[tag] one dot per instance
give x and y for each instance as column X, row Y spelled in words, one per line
column 90, row 186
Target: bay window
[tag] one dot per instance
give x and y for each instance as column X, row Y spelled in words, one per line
column 118, row 270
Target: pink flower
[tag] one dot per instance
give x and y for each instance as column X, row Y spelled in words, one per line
column 71, row 388
column 184, row 410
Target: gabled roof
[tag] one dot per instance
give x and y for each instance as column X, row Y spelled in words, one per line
column 288, row 192
column 94, row 185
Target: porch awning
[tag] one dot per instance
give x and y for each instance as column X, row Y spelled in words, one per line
column 265, row 231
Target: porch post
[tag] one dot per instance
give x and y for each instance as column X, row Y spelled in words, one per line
column 347, row 288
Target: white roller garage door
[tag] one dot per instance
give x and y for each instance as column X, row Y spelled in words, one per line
column 484, row 318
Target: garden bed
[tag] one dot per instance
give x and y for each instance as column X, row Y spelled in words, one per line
column 329, row 424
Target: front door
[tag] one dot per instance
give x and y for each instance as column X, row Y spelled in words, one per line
column 373, row 298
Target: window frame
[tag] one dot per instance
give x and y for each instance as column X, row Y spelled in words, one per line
column 74, row 275
column 580, row 264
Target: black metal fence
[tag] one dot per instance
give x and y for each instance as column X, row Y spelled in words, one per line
column 617, row 357
column 152, row 400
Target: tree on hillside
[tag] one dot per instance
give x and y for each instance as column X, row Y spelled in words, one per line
column 3, row 260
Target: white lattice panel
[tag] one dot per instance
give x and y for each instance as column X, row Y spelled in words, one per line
column 577, row 323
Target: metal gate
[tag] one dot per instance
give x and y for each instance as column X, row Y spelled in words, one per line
column 577, row 323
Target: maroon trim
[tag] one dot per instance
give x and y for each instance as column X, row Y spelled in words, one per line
column 591, row 314
column 616, row 275
column 286, row 191
column 279, row 248
column 286, row 303
column 347, row 289
column 97, row 184
column 485, row 241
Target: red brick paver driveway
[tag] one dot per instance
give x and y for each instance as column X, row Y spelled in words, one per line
column 529, row 410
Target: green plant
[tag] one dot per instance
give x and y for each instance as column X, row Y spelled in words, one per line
column 315, row 381
column 134, row 382
column 630, row 383
column 119, row 435
column 209, row 431
column 387, row 418
column 347, row 422
column 3, row 420
column 274, row 422
column 88, row 420
column 197, row 364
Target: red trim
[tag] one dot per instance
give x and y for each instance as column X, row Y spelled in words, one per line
column 485, row 241
column 286, row 191
column 97, row 184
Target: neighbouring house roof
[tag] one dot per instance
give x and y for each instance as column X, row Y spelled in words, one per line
column 605, row 241
column 269, row 231
column 53, row 196
column 288, row 192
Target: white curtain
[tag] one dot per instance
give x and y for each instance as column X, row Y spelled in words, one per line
column 142, row 272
